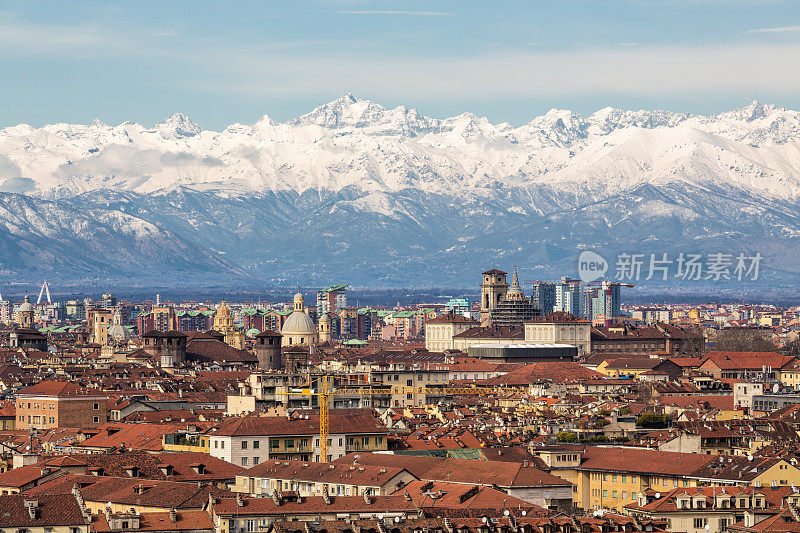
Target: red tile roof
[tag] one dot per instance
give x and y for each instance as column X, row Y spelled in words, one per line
column 556, row 371
column 158, row 522
column 341, row 421
column 499, row 473
column 52, row 510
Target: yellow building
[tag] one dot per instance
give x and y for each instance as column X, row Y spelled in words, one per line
column 181, row 442
column 790, row 374
column 612, row 477
column 223, row 322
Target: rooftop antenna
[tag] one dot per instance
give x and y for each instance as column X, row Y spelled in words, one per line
column 45, row 289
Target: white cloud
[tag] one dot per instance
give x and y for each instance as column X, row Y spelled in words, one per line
column 779, row 29
column 649, row 71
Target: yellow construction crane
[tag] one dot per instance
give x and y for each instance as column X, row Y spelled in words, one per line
column 325, row 392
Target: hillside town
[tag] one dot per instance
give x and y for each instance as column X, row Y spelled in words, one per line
column 537, row 407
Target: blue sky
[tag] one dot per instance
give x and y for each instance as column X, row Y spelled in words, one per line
column 225, row 62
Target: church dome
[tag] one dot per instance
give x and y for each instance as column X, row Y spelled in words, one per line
column 26, row 306
column 118, row 333
column 298, row 323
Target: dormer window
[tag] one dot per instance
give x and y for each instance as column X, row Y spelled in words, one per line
column 199, row 468
column 132, row 471
column 167, row 470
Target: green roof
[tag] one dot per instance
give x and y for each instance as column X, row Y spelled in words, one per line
column 355, row 342
column 252, row 332
column 403, row 314
column 333, row 288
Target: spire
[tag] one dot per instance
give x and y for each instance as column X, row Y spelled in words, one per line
column 514, row 290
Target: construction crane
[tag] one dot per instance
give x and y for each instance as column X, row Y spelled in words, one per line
column 325, row 391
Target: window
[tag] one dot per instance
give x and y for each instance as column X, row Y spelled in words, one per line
column 95, row 419
column 364, row 441
column 244, row 444
column 699, row 523
column 96, row 406
column 256, row 444
column 723, row 524
column 289, row 443
column 216, row 443
column 255, row 460
column 244, row 461
column 222, row 444
column 605, row 494
column 614, row 477
column 624, row 495
column 624, row 478
column 614, row 494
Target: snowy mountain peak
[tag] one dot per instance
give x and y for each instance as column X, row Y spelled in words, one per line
column 755, row 110
column 177, row 126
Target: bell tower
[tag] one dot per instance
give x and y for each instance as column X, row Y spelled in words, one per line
column 493, row 289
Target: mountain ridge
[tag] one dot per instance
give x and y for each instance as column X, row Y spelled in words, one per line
column 390, row 195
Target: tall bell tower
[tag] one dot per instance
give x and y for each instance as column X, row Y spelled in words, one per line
column 493, row 289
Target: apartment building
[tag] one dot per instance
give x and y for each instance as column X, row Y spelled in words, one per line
column 320, row 479
column 251, row 440
column 60, row 404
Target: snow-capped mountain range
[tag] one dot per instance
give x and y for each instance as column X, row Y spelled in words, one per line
column 358, row 192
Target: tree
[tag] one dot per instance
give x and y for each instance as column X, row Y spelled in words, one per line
column 743, row 340
column 652, row 420
column 566, row 436
column 792, row 348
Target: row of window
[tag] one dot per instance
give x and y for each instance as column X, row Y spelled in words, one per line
column 596, row 493
column 52, row 406
column 302, row 443
column 624, row 479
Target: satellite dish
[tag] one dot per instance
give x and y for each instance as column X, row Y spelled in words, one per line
column 506, row 512
column 396, row 519
column 483, row 519
column 658, row 495
column 524, row 513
